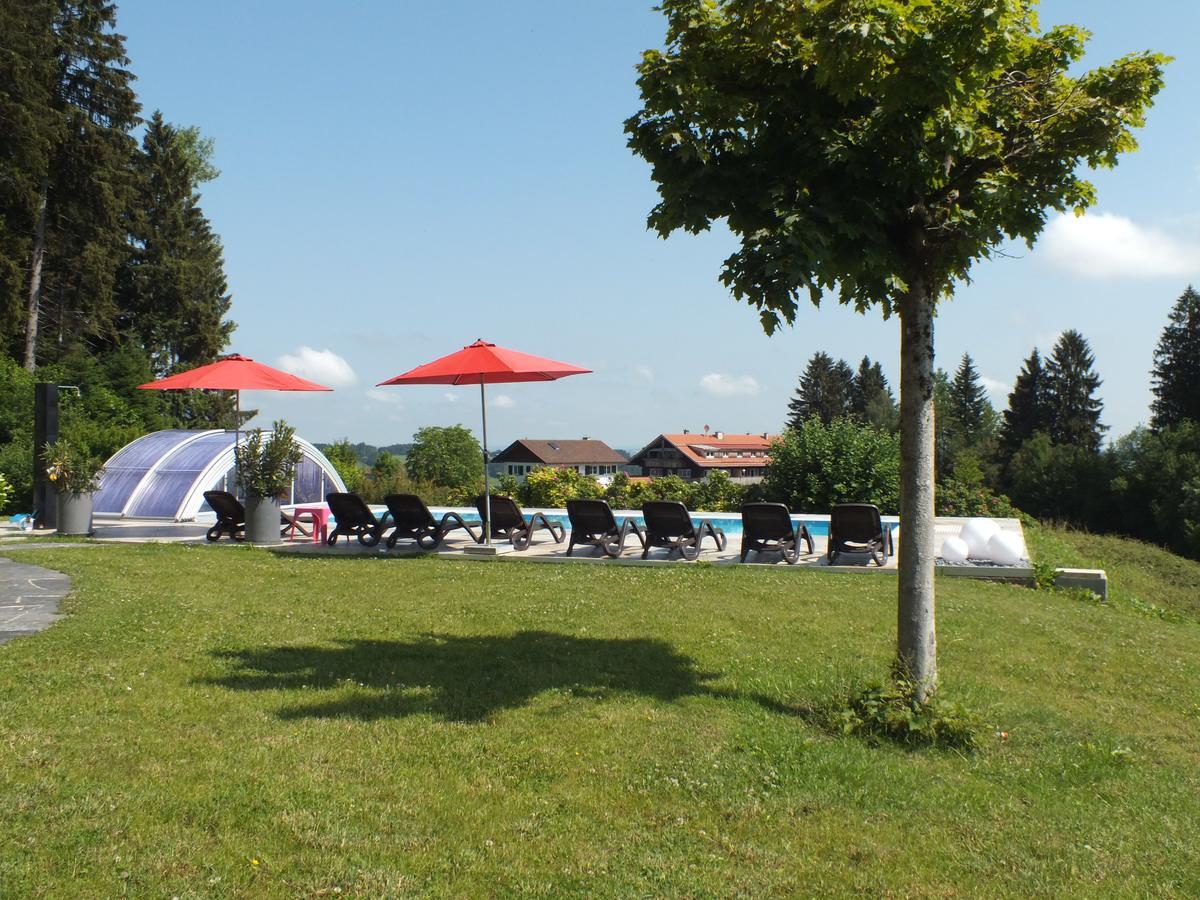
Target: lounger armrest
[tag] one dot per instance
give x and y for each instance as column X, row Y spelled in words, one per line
column 631, row 525
column 444, row 527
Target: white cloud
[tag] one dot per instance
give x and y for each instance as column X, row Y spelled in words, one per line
column 389, row 395
column 1103, row 245
column 503, row 401
column 322, row 366
column 450, row 398
column 644, row 372
column 997, row 388
column 721, row 385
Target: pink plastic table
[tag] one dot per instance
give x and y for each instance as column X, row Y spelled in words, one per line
column 319, row 512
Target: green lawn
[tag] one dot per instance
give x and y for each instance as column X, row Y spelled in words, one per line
column 222, row 721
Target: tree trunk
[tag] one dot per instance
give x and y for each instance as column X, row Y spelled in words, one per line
column 35, row 279
column 916, row 645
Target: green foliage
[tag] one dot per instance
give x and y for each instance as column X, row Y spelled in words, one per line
column 70, row 468
column 968, row 401
column 265, row 468
column 893, row 713
column 172, row 289
column 552, row 486
column 826, row 391
column 344, row 460
column 872, row 401
column 1157, row 486
column 1063, row 482
column 1074, row 414
column 972, row 498
column 6, row 492
column 1176, row 373
column 1028, row 411
column 386, row 465
column 873, row 149
column 817, row 465
column 448, row 457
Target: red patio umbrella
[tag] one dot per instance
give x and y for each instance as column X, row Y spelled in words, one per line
column 234, row 373
column 483, row 363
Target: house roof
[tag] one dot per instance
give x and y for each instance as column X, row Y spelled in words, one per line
column 586, row 451
column 739, row 449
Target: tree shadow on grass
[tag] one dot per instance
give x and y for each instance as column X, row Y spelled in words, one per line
column 464, row 679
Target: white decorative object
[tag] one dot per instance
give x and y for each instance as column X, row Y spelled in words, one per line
column 955, row 550
column 1005, row 548
column 977, row 533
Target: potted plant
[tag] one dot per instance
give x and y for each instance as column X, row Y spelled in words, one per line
column 75, row 476
column 264, row 471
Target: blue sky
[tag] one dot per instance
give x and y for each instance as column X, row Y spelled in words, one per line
column 399, row 178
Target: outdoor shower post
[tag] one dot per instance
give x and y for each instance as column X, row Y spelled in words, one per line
column 45, row 431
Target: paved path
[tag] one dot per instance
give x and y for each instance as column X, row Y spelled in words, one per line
column 29, row 598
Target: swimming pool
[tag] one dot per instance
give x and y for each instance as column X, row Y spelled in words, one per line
column 730, row 523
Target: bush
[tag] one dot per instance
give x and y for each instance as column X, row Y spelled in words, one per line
column 958, row 498
column 71, row 469
column 265, row 468
column 5, row 492
column 345, row 462
column 816, row 466
column 448, row 457
column 1157, row 486
column 550, row 486
column 1063, row 482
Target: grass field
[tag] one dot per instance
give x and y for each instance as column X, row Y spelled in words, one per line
column 223, row 722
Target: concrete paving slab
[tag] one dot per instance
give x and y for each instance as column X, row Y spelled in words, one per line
column 29, row 597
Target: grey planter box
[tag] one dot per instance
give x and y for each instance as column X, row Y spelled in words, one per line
column 74, row 513
column 262, row 520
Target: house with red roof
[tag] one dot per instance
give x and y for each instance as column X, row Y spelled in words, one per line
column 586, row 455
column 743, row 457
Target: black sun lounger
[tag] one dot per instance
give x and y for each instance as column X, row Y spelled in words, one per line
column 669, row 525
column 231, row 517
column 509, row 522
column 414, row 521
column 353, row 518
column 768, row 528
column 593, row 523
column 857, row 528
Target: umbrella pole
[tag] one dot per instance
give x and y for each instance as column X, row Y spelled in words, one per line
column 237, row 436
column 487, row 491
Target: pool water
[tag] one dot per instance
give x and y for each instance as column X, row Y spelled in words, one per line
column 818, row 526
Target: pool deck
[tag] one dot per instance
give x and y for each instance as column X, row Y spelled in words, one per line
column 458, row 546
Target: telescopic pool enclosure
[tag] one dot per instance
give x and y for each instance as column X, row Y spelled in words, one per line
column 164, row 475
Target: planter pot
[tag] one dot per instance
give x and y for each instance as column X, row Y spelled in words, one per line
column 74, row 513
column 262, row 520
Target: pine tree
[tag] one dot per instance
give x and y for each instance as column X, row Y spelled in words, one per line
column 1072, row 383
column 1176, row 373
column 968, row 400
column 825, row 391
column 1028, row 409
column 172, row 287
column 28, row 126
column 84, row 189
column 871, row 399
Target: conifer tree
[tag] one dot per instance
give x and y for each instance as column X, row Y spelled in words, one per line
column 1176, row 373
column 968, row 400
column 27, row 123
column 825, row 391
column 871, row 400
column 173, row 289
column 84, row 189
column 1074, row 408
column 1028, row 411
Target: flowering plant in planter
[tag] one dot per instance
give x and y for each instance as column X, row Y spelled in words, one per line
column 265, row 467
column 71, row 469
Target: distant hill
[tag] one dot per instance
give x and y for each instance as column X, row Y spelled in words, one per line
column 368, row 453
